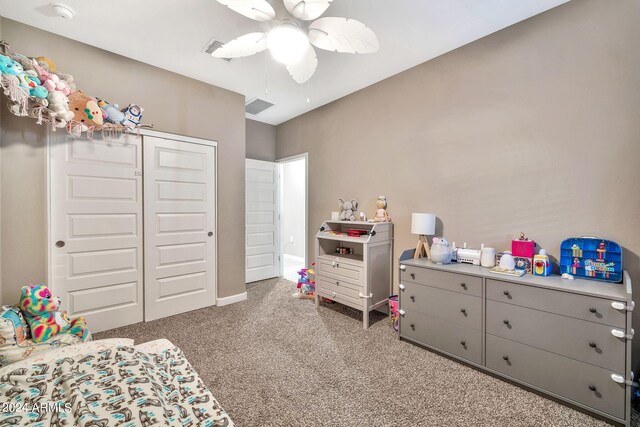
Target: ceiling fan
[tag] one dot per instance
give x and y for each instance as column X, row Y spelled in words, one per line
column 291, row 40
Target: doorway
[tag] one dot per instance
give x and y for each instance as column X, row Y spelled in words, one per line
column 293, row 215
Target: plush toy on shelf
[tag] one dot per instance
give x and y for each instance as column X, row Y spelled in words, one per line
column 132, row 116
column 348, row 209
column 381, row 214
column 29, row 83
column 40, row 309
column 112, row 112
column 85, row 110
column 59, row 106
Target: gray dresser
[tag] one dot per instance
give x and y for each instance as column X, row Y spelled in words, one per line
column 568, row 339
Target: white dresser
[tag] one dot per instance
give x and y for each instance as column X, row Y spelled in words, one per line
column 361, row 279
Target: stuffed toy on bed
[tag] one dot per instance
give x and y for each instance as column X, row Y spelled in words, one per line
column 40, row 308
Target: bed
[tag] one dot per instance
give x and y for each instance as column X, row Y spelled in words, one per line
column 107, row 383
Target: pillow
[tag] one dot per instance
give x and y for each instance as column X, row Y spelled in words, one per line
column 14, row 338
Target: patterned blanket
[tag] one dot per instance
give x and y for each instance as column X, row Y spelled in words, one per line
column 115, row 386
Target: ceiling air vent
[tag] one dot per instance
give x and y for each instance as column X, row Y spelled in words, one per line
column 257, row 106
column 214, row 45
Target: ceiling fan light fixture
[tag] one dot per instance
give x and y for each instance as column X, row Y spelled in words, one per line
column 287, row 43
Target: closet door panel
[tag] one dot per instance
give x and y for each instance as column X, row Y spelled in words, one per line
column 96, row 228
column 179, row 197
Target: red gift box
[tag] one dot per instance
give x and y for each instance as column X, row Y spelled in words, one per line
column 523, row 248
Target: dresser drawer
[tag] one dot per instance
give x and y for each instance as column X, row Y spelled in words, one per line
column 342, row 270
column 446, row 336
column 573, row 305
column 341, row 298
column 557, row 374
column 465, row 310
column 578, row 339
column 455, row 282
column 340, row 286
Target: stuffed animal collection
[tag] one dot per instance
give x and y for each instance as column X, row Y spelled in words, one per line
column 37, row 89
column 40, row 309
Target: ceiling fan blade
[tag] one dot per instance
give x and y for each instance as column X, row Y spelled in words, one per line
column 246, row 45
column 343, row 35
column 258, row 10
column 303, row 69
column 307, row 9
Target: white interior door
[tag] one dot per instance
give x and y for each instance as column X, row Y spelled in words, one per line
column 96, row 229
column 179, row 213
column 262, row 236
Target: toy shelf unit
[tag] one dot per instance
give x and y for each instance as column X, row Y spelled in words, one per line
column 354, row 264
column 591, row 258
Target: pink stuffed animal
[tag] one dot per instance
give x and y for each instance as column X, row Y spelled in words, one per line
column 51, row 81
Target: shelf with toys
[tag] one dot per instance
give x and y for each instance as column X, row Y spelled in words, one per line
column 354, row 261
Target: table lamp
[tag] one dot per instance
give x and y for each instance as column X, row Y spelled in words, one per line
column 423, row 224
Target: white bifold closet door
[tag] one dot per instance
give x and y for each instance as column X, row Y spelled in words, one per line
column 96, row 228
column 179, row 215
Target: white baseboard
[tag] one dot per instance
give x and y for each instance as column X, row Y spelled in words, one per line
column 231, row 300
column 294, row 258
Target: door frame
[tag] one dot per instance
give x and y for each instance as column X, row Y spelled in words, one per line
column 304, row 156
column 61, row 138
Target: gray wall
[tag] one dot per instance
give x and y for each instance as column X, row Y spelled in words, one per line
column 293, row 208
column 534, row 128
column 261, row 141
column 173, row 103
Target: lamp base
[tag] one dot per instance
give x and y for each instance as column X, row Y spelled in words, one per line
column 422, row 249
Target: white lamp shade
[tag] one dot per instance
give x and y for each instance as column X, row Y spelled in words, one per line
column 423, row 223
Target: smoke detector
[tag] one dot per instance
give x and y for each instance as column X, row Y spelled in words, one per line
column 63, row 11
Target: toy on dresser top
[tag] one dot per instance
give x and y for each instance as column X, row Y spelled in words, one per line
column 592, row 258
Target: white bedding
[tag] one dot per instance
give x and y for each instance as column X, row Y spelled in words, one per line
column 107, row 383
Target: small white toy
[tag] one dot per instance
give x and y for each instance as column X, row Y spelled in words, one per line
column 567, row 276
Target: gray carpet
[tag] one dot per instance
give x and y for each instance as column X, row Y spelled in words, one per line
column 275, row 361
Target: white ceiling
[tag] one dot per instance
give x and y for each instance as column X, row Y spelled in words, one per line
column 172, row 34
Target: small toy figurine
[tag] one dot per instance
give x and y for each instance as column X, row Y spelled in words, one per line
column 576, row 251
column 575, row 266
column 602, row 249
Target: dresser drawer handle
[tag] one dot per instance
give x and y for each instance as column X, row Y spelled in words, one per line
column 413, row 275
column 338, row 283
column 506, row 322
column 401, row 286
column 333, row 294
column 593, row 310
column 413, row 298
column 507, row 293
column 463, row 311
column 463, row 343
column 505, row 358
column 463, row 285
column 592, row 344
column 592, row 387
column 413, row 326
